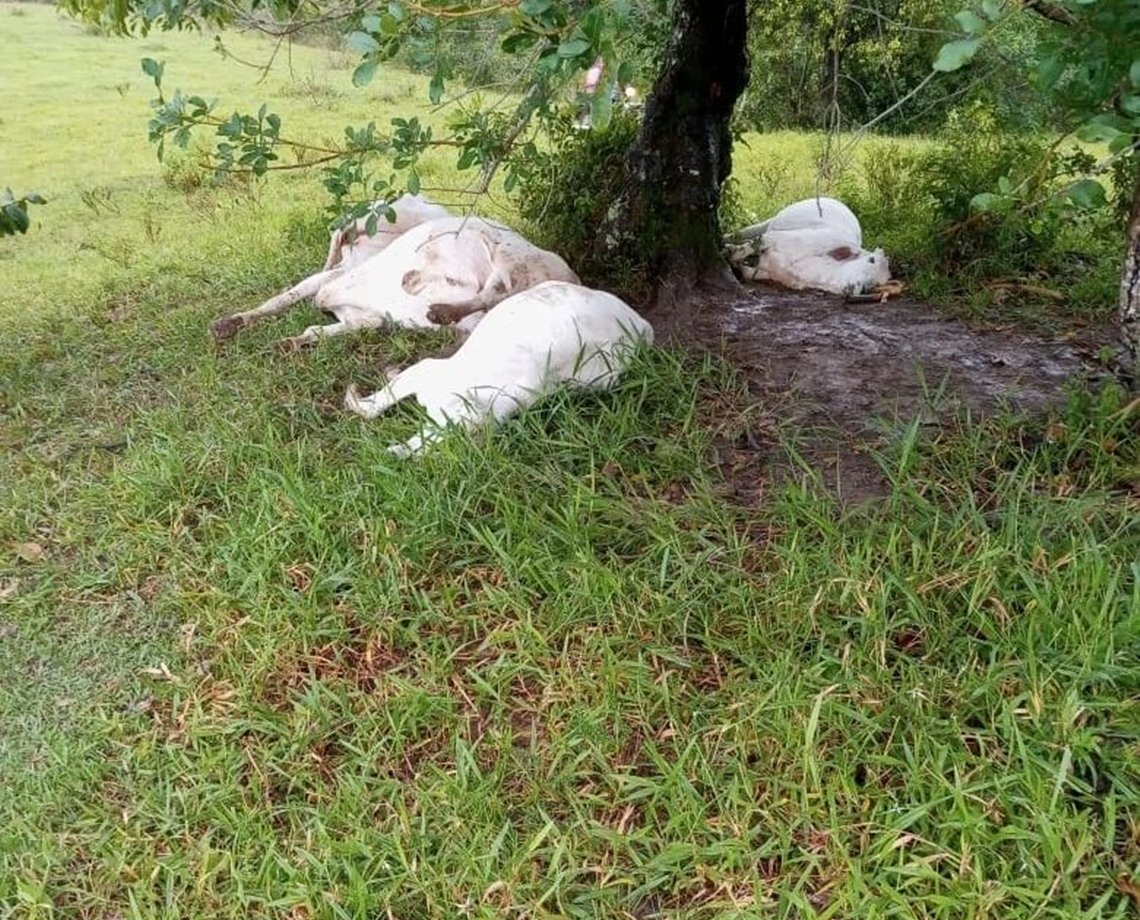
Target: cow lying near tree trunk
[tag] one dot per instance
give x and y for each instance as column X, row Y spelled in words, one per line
column 352, row 245
column 446, row 270
column 551, row 335
column 349, row 247
column 813, row 244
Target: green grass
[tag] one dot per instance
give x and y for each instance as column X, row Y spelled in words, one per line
column 255, row 667
column 774, row 169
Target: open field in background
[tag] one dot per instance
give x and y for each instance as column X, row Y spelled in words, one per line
column 251, row 666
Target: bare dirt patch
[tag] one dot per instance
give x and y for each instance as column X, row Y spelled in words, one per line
column 844, row 375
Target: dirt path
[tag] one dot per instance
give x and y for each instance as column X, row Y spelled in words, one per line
column 837, row 371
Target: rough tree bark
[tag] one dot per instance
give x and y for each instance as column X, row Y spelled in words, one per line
column 1130, row 291
column 667, row 213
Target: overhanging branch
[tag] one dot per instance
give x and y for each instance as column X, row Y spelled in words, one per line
column 1050, row 11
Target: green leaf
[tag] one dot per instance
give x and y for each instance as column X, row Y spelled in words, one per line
column 1096, row 132
column 232, row 127
column 17, row 217
column 362, row 43
column 602, row 106
column 625, row 74
column 364, row 73
column 957, row 54
column 970, row 23
column 518, row 41
column 1134, row 73
column 1130, row 104
column 1087, row 193
column 153, row 69
column 1049, row 70
column 535, row 8
column 573, row 47
column 991, row 9
column 1120, row 142
column 396, row 11
column 467, row 158
column 413, row 182
column 986, row 201
column 435, row 90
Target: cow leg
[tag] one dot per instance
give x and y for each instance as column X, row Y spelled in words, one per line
column 400, row 386
column 336, row 243
column 311, row 335
column 373, row 405
column 452, row 415
column 228, row 326
column 448, row 314
column 416, row 443
column 314, row 333
column 495, row 289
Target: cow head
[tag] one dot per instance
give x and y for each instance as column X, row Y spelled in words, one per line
column 744, row 258
column 860, row 270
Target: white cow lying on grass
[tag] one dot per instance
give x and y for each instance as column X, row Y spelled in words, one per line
column 447, row 270
column 812, row 244
column 349, row 247
column 551, row 335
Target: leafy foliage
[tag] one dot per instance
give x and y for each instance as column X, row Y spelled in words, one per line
column 819, row 64
column 1042, row 230
column 1087, row 63
column 14, row 212
column 572, row 185
column 550, row 41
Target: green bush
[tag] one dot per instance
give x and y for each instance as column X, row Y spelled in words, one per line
column 919, row 207
column 568, row 191
column 187, row 169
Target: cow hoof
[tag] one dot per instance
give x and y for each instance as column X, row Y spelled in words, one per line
column 443, row 314
column 294, row 344
column 226, row 327
column 352, row 398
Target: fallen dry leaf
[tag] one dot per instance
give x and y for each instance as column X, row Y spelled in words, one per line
column 8, row 587
column 162, row 672
column 29, row 552
column 1129, row 886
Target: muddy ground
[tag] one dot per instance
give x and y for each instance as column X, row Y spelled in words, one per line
column 844, row 375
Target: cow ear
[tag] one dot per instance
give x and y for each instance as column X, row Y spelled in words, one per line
column 843, row 254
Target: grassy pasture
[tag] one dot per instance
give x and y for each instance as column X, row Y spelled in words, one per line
column 251, row 666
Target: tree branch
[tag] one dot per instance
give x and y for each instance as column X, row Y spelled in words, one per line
column 1050, row 11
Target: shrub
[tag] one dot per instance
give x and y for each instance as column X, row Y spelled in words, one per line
column 187, row 170
column 920, row 207
column 190, row 169
column 569, row 189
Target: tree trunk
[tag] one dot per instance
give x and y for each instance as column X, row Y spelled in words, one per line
column 829, row 79
column 1130, row 291
column 665, row 221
